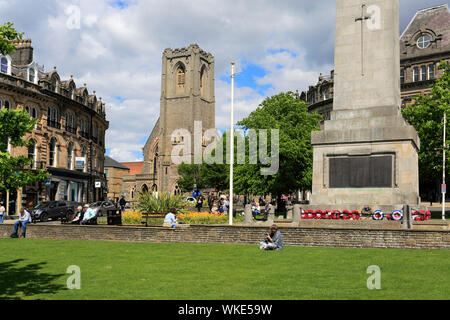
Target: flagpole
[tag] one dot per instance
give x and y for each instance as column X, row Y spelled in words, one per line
column 443, row 168
column 233, row 72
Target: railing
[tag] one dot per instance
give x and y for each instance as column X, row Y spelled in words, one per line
column 84, row 134
column 53, row 124
column 94, row 139
column 71, row 129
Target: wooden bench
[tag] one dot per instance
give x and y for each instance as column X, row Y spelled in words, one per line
column 147, row 216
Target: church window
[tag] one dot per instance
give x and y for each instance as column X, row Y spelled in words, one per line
column 181, row 77
column 424, row 41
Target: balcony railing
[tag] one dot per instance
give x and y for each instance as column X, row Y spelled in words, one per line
column 84, row 134
column 71, row 129
column 94, row 139
column 53, row 124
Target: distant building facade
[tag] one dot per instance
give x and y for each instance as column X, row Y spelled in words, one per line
column 114, row 172
column 187, row 96
column 69, row 139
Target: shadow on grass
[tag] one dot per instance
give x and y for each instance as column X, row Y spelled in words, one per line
column 17, row 282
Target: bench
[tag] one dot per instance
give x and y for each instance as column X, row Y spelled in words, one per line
column 147, row 216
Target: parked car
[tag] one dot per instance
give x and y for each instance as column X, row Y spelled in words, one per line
column 100, row 208
column 53, row 210
column 191, row 200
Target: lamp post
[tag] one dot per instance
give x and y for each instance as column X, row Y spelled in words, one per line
column 233, row 73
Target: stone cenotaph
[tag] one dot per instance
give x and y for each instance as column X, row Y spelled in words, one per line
column 366, row 154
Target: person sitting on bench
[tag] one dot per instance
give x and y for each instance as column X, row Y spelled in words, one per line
column 24, row 219
column 78, row 216
column 171, row 220
column 89, row 216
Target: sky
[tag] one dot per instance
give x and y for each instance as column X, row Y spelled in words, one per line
column 115, row 47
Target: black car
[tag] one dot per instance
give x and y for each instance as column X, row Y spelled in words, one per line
column 53, row 210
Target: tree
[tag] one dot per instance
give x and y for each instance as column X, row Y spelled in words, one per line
column 427, row 115
column 7, row 35
column 295, row 124
column 190, row 175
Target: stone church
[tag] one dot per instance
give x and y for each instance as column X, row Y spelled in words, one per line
column 187, row 96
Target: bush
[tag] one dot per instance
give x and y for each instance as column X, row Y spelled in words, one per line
column 148, row 202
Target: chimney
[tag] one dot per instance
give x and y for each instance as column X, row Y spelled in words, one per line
column 23, row 55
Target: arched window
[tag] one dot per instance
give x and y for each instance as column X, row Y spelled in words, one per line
column 70, row 156
column 52, row 153
column 202, row 77
column 32, row 75
column 5, row 104
column 34, row 114
column 55, row 84
column 4, row 65
column 155, row 166
column 181, row 76
column 32, row 153
column 53, row 118
column 144, row 188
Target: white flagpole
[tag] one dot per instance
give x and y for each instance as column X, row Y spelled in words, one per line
column 233, row 72
column 443, row 168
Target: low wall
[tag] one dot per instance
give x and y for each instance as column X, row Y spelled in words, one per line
column 306, row 237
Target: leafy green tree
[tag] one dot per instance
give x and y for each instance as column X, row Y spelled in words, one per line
column 427, row 116
column 290, row 116
column 190, row 174
column 7, row 35
column 13, row 170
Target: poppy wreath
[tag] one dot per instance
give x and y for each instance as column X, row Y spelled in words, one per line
column 310, row 214
column 326, row 215
column 428, row 215
column 336, row 214
column 304, row 214
column 356, row 215
column 416, row 216
column 378, row 215
column 318, row 214
column 397, row 215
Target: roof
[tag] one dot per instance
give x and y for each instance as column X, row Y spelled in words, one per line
column 111, row 163
column 135, row 167
column 435, row 18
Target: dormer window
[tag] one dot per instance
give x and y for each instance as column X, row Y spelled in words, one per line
column 424, row 41
column 4, row 65
column 32, row 75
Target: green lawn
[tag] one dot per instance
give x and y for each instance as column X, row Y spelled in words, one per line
column 36, row 269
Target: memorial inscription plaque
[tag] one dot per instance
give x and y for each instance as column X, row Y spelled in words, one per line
column 361, row 172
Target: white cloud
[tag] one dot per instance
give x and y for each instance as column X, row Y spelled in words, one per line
column 117, row 51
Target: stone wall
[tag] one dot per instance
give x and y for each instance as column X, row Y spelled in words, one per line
column 306, row 237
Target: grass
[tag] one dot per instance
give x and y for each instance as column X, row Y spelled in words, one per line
column 36, row 269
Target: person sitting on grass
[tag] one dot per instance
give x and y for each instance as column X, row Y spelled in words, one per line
column 78, row 216
column 89, row 216
column 215, row 208
column 24, row 219
column 170, row 220
column 273, row 241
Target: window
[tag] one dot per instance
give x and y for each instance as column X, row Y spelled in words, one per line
column 423, row 73
column 5, row 104
column 52, row 118
column 181, row 76
column 416, row 74
column 70, row 156
column 31, row 75
column 52, row 153
column 32, row 153
column 106, row 172
column 402, row 76
column 4, row 65
column 424, row 41
column 431, row 71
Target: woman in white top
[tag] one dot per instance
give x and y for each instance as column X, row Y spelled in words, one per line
column 2, row 212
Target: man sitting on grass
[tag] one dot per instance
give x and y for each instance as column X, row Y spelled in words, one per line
column 24, row 219
column 171, row 220
column 273, row 241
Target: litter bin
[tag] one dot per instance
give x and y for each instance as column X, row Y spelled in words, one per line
column 114, row 217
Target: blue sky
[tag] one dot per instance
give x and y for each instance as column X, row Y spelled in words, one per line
column 277, row 46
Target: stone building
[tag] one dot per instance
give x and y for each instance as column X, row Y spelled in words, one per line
column 423, row 45
column 187, row 96
column 114, row 172
column 69, row 138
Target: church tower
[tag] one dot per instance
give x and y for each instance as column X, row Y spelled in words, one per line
column 187, row 96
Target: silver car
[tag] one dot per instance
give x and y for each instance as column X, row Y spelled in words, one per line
column 100, row 208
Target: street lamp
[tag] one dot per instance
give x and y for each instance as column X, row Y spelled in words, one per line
column 444, row 189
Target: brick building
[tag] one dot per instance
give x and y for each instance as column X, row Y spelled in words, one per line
column 69, row 139
column 114, row 172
